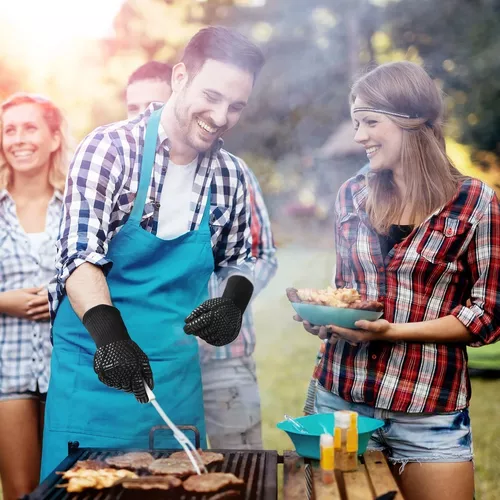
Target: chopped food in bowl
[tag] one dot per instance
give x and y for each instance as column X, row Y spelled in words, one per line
column 341, row 307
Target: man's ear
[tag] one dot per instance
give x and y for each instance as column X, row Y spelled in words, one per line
column 179, row 77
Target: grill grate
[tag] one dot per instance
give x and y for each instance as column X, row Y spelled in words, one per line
column 257, row 468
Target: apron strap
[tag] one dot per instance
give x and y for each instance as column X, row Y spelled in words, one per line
column 148, row 161
column 204, row 224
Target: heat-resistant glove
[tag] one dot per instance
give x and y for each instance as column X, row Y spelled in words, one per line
column 218, row 321
column 118, row 361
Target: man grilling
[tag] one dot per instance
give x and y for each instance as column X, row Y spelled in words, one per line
column 153, row 206
column 230, row 389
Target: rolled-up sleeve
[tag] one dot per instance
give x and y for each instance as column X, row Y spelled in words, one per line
column 90, row 195
column 482, row 318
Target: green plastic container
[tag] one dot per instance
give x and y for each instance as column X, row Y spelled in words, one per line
column 307, row 444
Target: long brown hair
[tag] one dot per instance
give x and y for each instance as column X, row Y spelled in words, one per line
column 429, row 175
column 58, row 161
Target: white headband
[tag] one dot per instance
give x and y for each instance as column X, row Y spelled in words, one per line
column 384, row 112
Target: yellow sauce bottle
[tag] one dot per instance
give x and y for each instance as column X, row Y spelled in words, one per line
column 352, row 443
column 326, row 458
column 345, row 432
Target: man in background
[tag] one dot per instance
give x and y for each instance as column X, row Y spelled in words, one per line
column 149, row 83
column 230, row 389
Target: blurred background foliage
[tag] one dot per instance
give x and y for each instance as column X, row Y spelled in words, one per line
column 296, row 133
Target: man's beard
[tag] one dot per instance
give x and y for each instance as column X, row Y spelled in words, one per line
column 187, row 127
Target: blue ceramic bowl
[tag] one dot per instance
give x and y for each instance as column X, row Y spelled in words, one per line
column 326, row 315
column 307, row 444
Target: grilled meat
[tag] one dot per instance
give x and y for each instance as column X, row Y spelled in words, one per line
column 213, row 482
column 292, row 295
column 87, row 464
column 172, row 466
column 82, row 479
column 134, row 460
column 151, row 483
column 207, row 457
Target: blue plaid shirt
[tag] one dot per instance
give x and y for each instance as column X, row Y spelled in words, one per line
column 265, row 268
column 101, row 188
column 25, row 346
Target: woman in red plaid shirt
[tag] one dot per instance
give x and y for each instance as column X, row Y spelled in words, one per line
column 423, row 239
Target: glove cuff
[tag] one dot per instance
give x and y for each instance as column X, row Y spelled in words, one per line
column 239, row 289
column 105, row 325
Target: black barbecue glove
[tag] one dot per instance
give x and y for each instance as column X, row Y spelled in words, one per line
column 218, row 321
column 118, row 361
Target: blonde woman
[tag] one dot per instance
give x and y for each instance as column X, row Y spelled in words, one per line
column 423, row 239
column 32, row 175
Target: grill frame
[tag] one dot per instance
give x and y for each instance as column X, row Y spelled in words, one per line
column 258, row 468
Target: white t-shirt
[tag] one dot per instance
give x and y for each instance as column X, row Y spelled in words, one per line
column 36, row 240
column 175, row 200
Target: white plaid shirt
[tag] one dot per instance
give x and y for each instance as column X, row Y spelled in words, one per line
column 264, row 251
column 102, row 185
column 25, row 346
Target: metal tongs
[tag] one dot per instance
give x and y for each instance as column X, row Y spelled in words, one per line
column 183, row 440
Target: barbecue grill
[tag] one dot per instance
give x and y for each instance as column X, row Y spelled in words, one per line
column 257, row 468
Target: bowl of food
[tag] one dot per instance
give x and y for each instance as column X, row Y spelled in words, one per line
column 306, row 442
column 340, row 307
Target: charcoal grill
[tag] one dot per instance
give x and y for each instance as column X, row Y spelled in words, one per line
column 257, row 468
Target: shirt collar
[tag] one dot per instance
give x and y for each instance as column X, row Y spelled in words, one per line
column 360, row 193
column 4, row 194
column 58, row 195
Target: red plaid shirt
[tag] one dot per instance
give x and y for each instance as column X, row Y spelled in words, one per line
column 454, row 255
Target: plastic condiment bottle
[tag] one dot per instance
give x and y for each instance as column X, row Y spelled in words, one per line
column 344, row 460
column 326, row 458
column 352, row 443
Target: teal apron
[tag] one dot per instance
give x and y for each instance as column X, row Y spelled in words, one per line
column 155, row 284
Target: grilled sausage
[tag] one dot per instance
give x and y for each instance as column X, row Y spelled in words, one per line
column 292, row 295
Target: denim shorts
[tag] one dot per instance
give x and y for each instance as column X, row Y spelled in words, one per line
column 410, row 437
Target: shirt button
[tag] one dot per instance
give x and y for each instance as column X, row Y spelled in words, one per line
column 374, row 356
column 157, row 204
column 164, row 170
column 449, row 231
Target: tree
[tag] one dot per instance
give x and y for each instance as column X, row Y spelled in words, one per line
column 458, row 40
